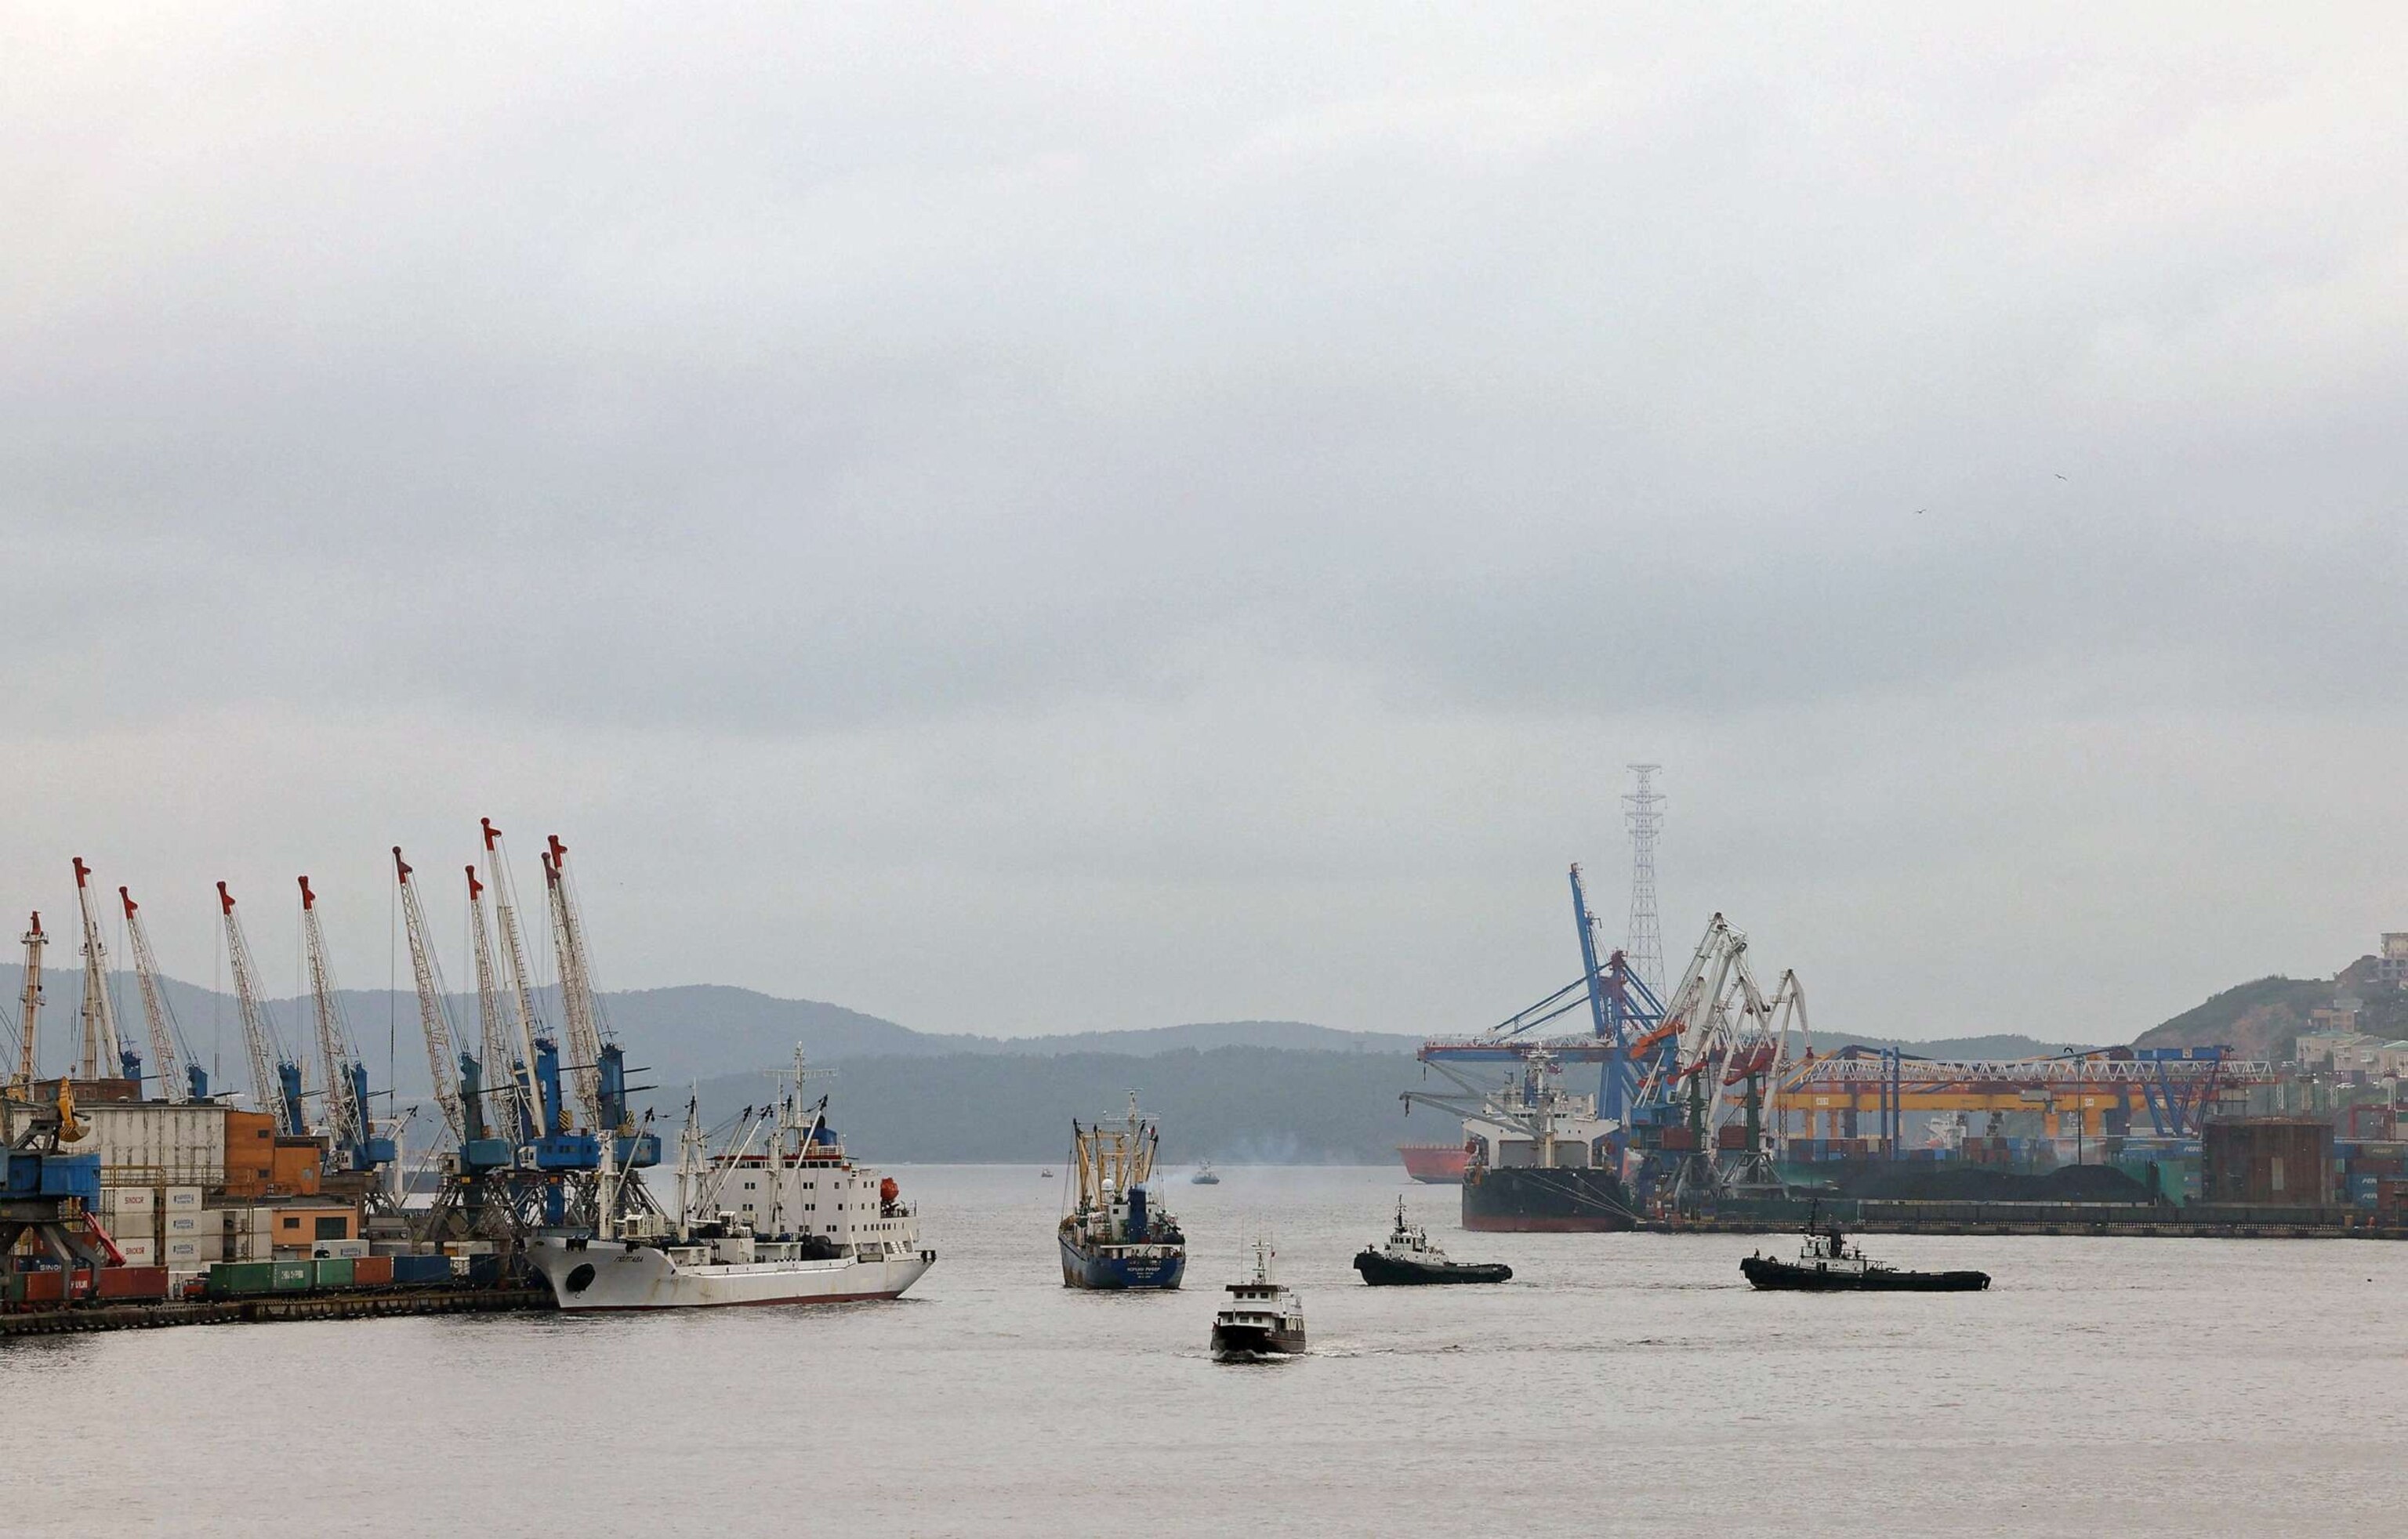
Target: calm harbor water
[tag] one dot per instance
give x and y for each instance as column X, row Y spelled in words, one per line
column 1620, row 1383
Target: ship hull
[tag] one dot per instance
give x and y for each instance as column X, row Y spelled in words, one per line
column 1520, row 1200
column 1788, row 1276
column 1433, row 1165
column 599, row 1276
column 1118, row 1268
column 1246, row 1343
column 1384, row 1271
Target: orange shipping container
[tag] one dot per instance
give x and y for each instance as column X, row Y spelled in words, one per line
column 372, row 1271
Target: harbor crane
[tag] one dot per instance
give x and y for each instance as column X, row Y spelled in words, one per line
column 506, row 1110
column 99, row 1053
column 275, row 1076
column 1722, row 1034
column 29, row 1009
column 575, row 993
column 546, row 1114
column 602, row 1073
column 456, row 1074
column 349, row 1126
column 445, row 1068
column 181, row 1077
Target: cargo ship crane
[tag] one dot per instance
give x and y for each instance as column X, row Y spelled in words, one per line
column 349, row 1122
column 275, row 1077
column 29, row 1009
column 100, row 1055
column 181, row 1078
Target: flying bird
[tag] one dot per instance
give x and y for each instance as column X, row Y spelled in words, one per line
column 2059, row 474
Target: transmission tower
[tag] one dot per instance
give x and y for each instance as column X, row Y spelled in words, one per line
column 1644, row 947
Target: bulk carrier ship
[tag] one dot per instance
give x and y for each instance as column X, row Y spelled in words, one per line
column 1540, row 1160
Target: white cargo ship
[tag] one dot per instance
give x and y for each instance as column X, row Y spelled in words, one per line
column 778, row 1214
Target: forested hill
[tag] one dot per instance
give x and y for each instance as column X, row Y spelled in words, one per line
column 1236, row 1105
column 2264, row 1018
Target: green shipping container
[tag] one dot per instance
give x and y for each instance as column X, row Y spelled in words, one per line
column 294, row 1276
column 12, row 1287
column 229, row 1280
column 334, row 1273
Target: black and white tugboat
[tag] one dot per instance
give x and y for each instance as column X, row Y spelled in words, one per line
column 1409, row 1258
column 1262, row 1319
column 1828, row 1265
column 1204, row 1174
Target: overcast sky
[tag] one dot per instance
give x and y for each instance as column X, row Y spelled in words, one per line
column 1020, row 520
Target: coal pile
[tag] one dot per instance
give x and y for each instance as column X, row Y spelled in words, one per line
column 1922, row 1181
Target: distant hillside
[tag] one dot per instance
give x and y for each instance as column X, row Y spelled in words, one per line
column 2262, row 1019
column 694, row 1030
column 1203, row 1036
column 1239, row 1105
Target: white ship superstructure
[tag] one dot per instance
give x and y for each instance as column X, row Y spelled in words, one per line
column 779, row 1214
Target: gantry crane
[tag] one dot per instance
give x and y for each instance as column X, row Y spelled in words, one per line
column 181, row 1078
column 275, row 1076
column 99, row 1054
column 350, row 1127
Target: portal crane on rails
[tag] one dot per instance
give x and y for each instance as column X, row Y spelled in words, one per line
column 505, row 1110
column 589, row 1037
column 275, row 1075
column 446, row 1062
column 181, row 1077
column 29, row 1015
column 99, row 1054
column 350, row 1125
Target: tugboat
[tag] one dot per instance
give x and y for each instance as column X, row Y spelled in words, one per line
column 1408, row 1259
column 1115, row 1237
column 1204, row 1174
column 1828, row 1265
column 1262, row 1319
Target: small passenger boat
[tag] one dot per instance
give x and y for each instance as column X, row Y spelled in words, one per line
column 1828, row 1265
column 1262, row 1319
column 1409, row 1258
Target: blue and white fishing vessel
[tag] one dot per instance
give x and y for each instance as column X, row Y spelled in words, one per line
column 1118, row 1236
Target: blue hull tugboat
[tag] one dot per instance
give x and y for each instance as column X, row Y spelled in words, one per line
column 1117, row 1237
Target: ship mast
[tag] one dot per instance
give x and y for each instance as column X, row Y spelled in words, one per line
column 97, row 1056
